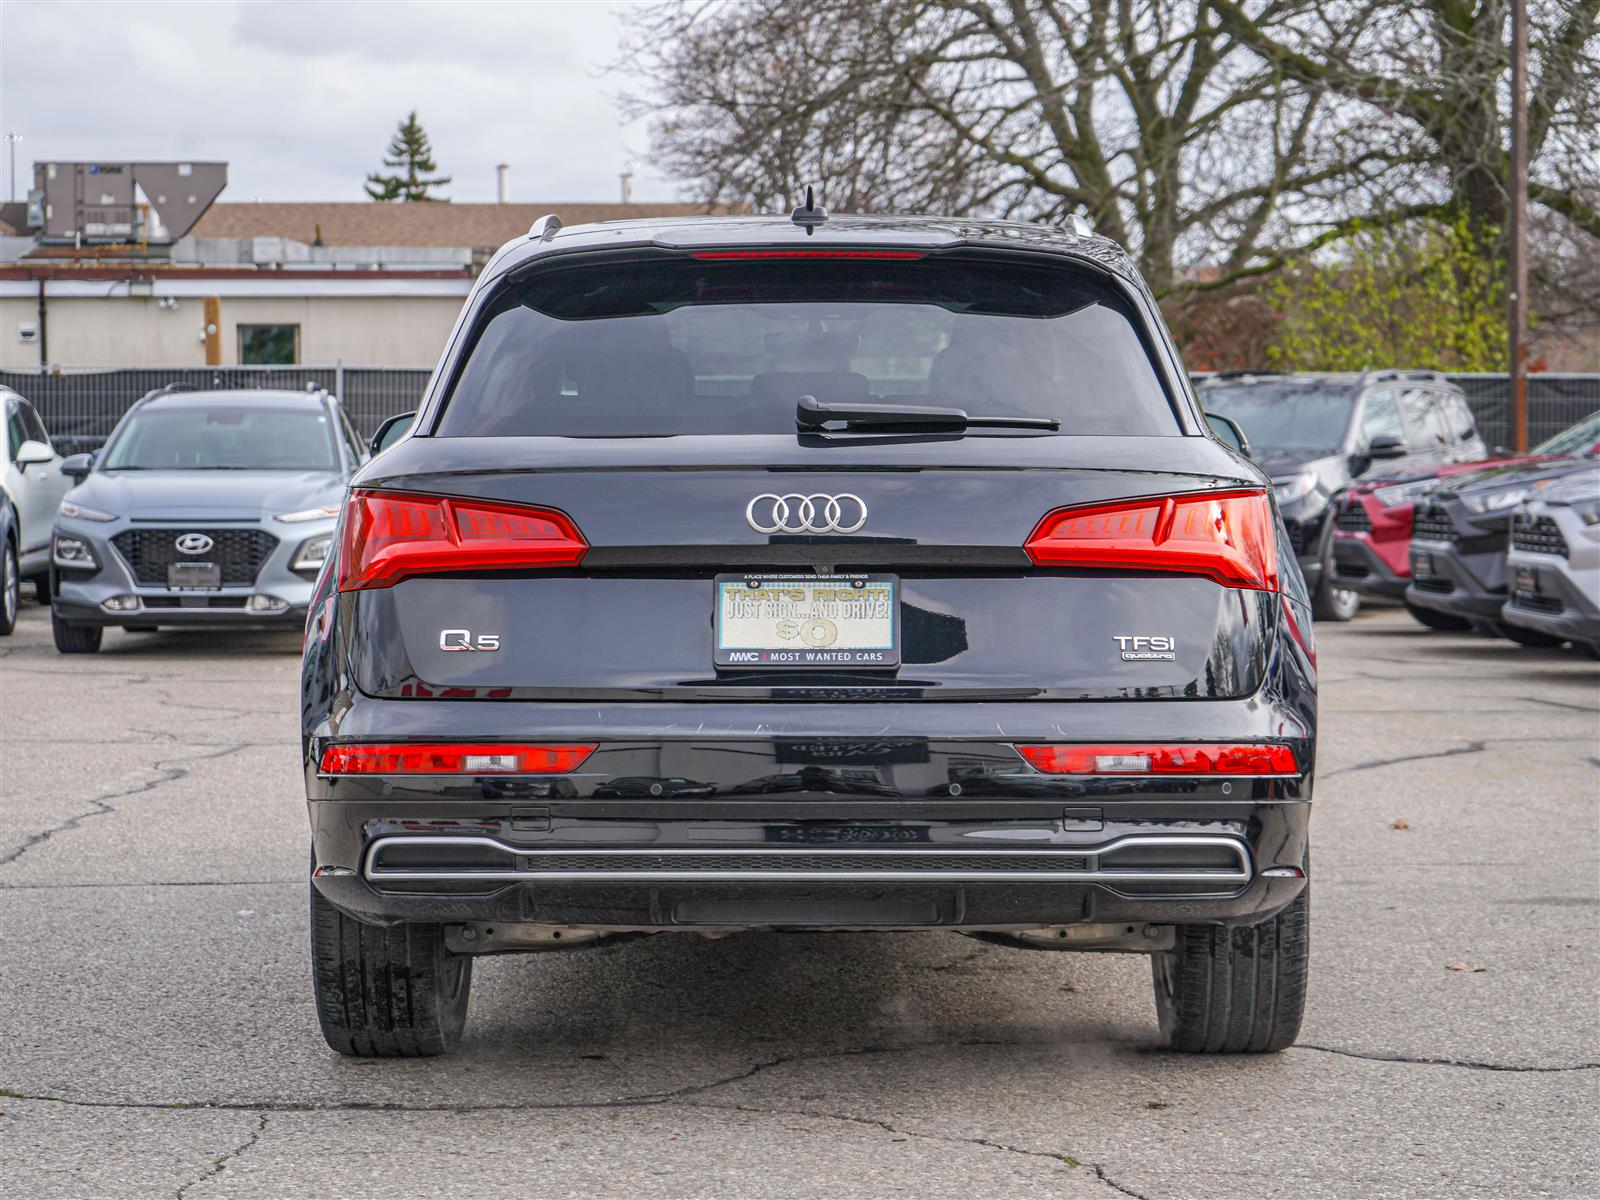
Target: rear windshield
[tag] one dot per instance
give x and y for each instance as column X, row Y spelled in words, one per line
column 1285, row 417
column 224, row 438
column 688, row 345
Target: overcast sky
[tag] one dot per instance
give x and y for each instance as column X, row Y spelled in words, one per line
column 300, row 99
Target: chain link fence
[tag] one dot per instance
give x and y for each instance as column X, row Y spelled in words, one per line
column 81, row 407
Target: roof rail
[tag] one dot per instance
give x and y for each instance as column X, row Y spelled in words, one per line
column 1080, row 225
column 166, row 389
column 545, row 227
column 1242, row 374
column 1369, row 376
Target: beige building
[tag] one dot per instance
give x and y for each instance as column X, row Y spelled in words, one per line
column 363, row 284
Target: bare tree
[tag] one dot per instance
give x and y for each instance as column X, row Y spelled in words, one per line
column 1146, row 115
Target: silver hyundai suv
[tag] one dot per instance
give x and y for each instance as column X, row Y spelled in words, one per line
column 202, row 509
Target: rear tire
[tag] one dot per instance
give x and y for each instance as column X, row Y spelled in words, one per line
column 10, row 587
column 1333, row 603
column 73, row 638
column 1530, row 637
column 1434, row 619
column 1235, row 989
column 393, row 992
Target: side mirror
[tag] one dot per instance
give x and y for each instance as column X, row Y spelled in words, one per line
column 33, row 452
column 1386, row 446
column 77, row 467
column 390, row 432
column 1228, row 431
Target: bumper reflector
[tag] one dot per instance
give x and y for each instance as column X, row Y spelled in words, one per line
column 1209, row 758
column 453, row 759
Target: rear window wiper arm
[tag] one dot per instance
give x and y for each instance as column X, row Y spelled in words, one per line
column 811, row 415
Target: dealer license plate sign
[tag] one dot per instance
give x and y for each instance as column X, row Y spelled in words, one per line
column 811, row 621
column 193, row 577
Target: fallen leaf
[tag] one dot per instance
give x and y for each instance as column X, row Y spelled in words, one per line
column 1469, row 968
column 1399, row 823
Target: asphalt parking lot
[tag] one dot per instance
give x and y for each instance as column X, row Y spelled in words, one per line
column 158, row 1034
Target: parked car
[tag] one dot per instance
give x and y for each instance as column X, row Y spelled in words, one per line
column 1460, row 537
column 1553, row 567
column 1372, row 529
column 840, row 517
column 202, row 509
column 1315, row 434
column 30, row 490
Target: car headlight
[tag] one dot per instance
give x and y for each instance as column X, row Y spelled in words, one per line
column 73, row 553
column 308, row 514
column 1403, row 493
column 1295, row 486
column 313, row 552
column 82, row 512
column 1494, row 501
column 1589, row 511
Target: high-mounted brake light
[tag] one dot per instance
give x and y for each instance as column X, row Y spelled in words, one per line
column 1227, row 536
column 1212, row 758
column 390, row 535
column 453, row 758
column 731, row 254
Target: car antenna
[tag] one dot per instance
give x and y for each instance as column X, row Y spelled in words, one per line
column 810, row 214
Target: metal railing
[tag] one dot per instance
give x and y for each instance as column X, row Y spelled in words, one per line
column 81, row 407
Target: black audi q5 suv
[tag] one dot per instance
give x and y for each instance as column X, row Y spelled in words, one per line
column 756, row 573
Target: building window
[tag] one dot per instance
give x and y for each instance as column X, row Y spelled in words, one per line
column 269, row 345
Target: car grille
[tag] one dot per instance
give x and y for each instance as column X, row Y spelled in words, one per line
column 1439, row 587
column 1541, row 536
column 1353, row 518
column 1550, row 605
column 239, row 552
column 1433, row 525
column 1301, row 535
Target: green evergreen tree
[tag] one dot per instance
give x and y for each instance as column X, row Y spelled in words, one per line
column 411, row 151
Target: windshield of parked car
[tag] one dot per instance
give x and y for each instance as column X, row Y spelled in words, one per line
column 727, row 343
column 1286, row 418
column 1575, row 439
column 231, row 438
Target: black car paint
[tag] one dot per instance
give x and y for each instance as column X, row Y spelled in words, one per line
column 814, row 759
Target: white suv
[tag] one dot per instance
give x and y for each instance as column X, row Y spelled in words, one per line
column 31, row 488
column 1554, row 562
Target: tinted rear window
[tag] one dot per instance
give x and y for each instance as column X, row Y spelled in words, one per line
column 728, row 346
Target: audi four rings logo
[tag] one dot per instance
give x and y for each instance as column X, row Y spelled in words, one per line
column 193, row 543
column 817, row 513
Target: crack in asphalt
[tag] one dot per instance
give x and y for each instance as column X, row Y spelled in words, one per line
column 1057, row 1156
column 1467, row 1064
column 1475, row 746
column 102, row 804
column 219, row 1165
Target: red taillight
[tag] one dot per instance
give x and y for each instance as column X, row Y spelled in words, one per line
column 1178, row 759
column 389, row 535
column 727, row 254
column 453, row 758
column 1225, row 536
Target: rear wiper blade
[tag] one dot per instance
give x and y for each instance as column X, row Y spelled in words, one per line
column 811, row 415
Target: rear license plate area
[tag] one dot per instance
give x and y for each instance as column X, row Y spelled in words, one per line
column 194, row 577
column 810, row 622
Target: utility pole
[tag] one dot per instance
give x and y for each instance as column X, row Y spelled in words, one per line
column 1518, row 220
column 12, row 139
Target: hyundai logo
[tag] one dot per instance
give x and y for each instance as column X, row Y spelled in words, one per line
column 817, row 513
column 193, row 543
